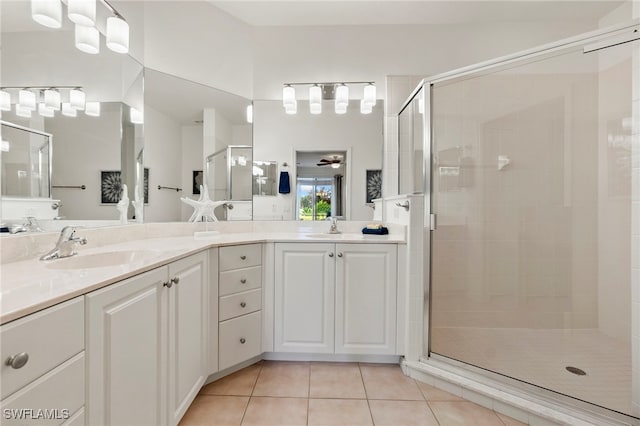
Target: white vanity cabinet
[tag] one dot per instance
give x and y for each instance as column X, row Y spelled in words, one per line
column 41, row 354
column 240, row 304
column 335, row 298
column 147, row 345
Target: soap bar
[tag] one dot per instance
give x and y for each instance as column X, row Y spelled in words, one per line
column 374, row 226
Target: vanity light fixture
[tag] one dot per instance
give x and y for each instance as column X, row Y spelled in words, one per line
column 52, row 98
column 77, row 98
column 249, row 114
column 83, row 14
column 5, row 100
column 92, row 109
column 68, row 110
column 47, row 12
column 27, row 99
column 44, row 111
column 337, row 91
column 136, row 116
column 22, row 111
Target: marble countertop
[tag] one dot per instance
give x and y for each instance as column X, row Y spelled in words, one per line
column 27, row 286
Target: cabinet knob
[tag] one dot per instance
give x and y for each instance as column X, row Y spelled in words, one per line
column 168, row 284
column 243, row 280
column 18, row 360
column 243, row 304
column 243, row 340
column 339, row 254
column 330, row 254
column 243, row 257
column 175, row 280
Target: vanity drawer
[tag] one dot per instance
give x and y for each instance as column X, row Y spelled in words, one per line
column 244, row 256
column 45, row 393
column 240, row 304
column 49, row 338
column 240, row 339
column 240, row 280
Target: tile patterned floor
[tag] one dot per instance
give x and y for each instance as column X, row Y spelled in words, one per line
column 331, row 394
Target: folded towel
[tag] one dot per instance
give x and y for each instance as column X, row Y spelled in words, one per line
column 284, row 187
column 381, row 231
column 374, row 226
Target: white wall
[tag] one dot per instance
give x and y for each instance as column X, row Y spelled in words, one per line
column 162, row 153
column 277, row 136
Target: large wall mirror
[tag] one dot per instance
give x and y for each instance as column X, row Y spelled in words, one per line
column 93, row 152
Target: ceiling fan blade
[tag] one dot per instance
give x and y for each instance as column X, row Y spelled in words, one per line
column 324, row 160
column 323, row 164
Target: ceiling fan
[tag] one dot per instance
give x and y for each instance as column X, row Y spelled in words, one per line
column 334, row 161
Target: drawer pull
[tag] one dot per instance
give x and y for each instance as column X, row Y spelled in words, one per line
column 17, row 361
column 243, row 280
column 168, row 284
column 339, row 254
column 243, row 340
column 243, row 304
column 243, row 257
column 175, row 280
column 330, row 254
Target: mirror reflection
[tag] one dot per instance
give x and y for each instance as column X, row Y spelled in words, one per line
column 264, row 177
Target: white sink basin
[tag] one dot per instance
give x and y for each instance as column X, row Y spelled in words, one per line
column 101, row 260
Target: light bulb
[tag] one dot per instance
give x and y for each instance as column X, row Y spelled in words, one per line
column 365, row 108
column 82, row 12
column 341, row 108
column 92, row 109
column 288, row 96
column 117, row 34
column 77, row 98
column 5, row 101
column 315, row 99
column 342, row 94
column 27, row 99
column 52, row 99
column 136, row 116
column 68, row 110
column 249, row 113
column 47, row 12
column 44, row 111
column 291, row 108
column 22, row 111
column 87, row 39
column 335, row 165
column 369, row 94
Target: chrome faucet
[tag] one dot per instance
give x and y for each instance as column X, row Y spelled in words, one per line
column 333, row 229
column 31, row 225
column 66, row 245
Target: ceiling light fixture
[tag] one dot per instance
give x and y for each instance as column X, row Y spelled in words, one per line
column 47, row 12
column 117, row 34
column 5, row 100
column 82, row 12
column 136, row 116
column 77, row 98
column 27, row 99
column 22, row 111
column 335, row 165
column 68, row 110
column 5, row 146
column 87, row 39
column 92, row 109
column 52, row 98
column 337, row 91
column 44, row 111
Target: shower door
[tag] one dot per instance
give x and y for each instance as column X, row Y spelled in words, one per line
column 532, row 183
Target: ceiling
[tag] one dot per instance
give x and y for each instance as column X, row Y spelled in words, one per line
column 417, row 12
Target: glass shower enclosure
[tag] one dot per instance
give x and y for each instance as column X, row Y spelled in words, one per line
column 532, row 175
column 228, row 175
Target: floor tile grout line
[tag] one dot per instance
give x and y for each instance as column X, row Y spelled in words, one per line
column 433, row 413
column 373, row 422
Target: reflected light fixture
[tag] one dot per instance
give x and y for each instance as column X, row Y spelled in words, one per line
column 5, row 146
column 342, row 94
column 44, row 111
column 5, row 100
column 136, row 116
column 315, row 99
column 52, row 99
column 92, row 109
column 341, row 108
column 22, row 111
column 82, row 12
column 291, row 108
column 87, row 39
column 365, row 108
column 288, row 96
column 117, row 34
column 77, row 98
column 369, row 96
column 249, row 113
column 47, row 12
column 68, row 110
column 27, row 99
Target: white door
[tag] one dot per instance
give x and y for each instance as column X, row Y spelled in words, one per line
column 304, row 297
column 126, row 351
column 366, row 298
column 188, row 332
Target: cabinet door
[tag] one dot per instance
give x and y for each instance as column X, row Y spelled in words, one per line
column 366, row 298
column 188, row 332
column 304, row 297
column 126, row 351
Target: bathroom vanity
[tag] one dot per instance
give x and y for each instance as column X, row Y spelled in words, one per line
column 140, row 339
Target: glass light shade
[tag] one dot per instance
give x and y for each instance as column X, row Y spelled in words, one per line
column 315, row 99
column 5, row 146
column 27, row 99
column 5, row 101
column 335, row 165
column 47, row 12
column 288, row 96
column 44, row 111
column 22, row 111
column 92, row 109
column 77, row 98
column 341, row 108
column 315, row 108
column 52, row 99
column 117, row 35
column 369, row 94
column 291, row 108
column 249, row 113
column 136, row 116
column 68, row 110
column 365, row 108
column 82, row 12
column 87, row 39
column 342, row 95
